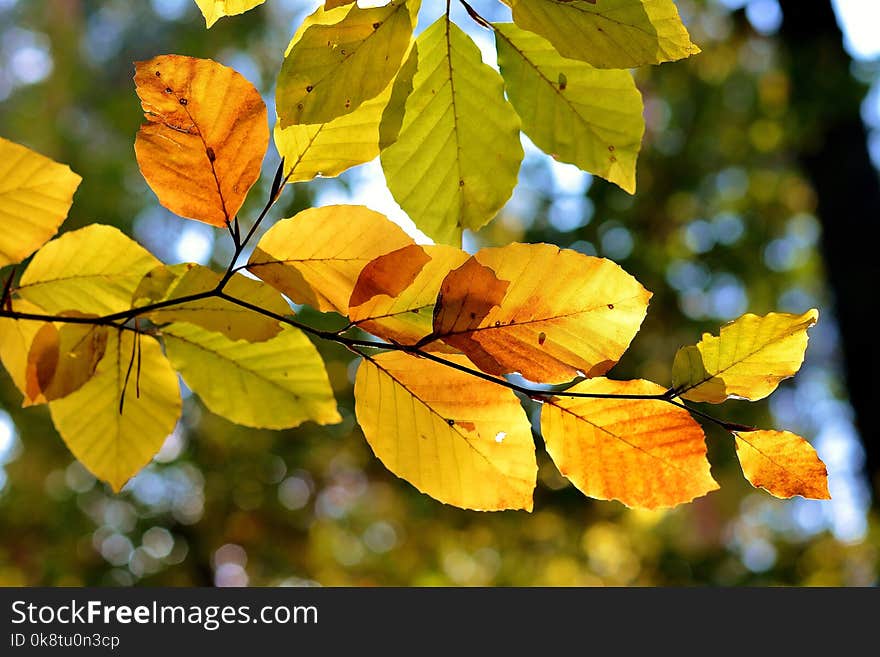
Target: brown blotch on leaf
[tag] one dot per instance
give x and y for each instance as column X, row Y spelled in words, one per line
column 211, row 155
column 611, row 148
column 461, row 183
column 183, row 101
column 542, row 337
column 610, row 306
column 389, row 274
column 309, row 89
column 450, row 422
column 158, row 75
column 168, row 90
column 376, row 25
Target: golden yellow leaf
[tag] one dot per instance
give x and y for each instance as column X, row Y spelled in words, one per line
column 212, row 313
column 550, row 314
column 645, row 453
column 93, row 270
column 340, row 58
column 782, row 463
column 214, row 10
column 61, row 359
column 333, row 4
column 205, row 136
column 114, row 445
column 315, row 257
column 395, row 294
column 275, row 384
column 459, row 439
column 747, row 361
column 35, row 196
column 16, row 336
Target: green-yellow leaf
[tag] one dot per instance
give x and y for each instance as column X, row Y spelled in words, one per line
column 457, row 155
column 213, row 313
column 578, row 114
column 645, row 453
column 328, row 149
column 275, row 384
column 608, row 33
column 315, row 257
column 16, row 336
column 782, row 463
column 340, row 58
column 747, row 361
column 93, row 270
column 213, row 10
column 395, row 294
column 35, row 196
column 115, row 445
column 459, row 439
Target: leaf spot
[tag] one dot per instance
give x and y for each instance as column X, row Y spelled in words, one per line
column 500, row 436
column 168, row 90
column 611, row 148
column 610, row 306
column 211, row 155
column 450, row 422
column 542, row 337
column 183, row 101
column 309, row 89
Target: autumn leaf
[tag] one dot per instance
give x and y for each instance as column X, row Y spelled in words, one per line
column 275, row 384
column 550, row 314
column 214, row 10
column 645, row 453
column 205, row 135
column 394, row 295
column 782, row 463
column 93, row 270
column 457, row 153
column 61, row 359
column 35, row 195
column 340, row 58
column 457, row 438
column 212, row 313
column 610, row 33
column 321, row 270
column 747, row 360
column 588, row 117
column 115, row 440
column 16, row 336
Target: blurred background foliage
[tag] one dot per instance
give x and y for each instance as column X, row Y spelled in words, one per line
column 725, row 221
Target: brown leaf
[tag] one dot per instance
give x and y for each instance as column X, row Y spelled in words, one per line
column 389, row 274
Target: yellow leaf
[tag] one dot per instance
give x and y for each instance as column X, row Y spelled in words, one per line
column 550, row 314
column 115, row 445
column 340, row 58
column 16, row 336
column 61, row 359
column 782, row 463
column 333, row 4
column 457, row 438
column 275, row 384
column 456, row 158
column 213, row 313
column 644, row 453
column 747, row 361
column 328, row 149
column 205, row 135
column 609, row 33
column 93, row 270
column 315, row 257
column 35, row 196
column 213, row 10
column 395, row 294
column 579, row 114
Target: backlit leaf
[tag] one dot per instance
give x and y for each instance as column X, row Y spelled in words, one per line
column 115, row 445
column 457, row 438
column 16, row 336
column 213, row 313
column 608, row 33
column 275, row 384
column 340, row 58
column 205, row 136
column 35, row 196
column 644, row 453
column 395, row 294
column 747, row 361
column 93, row 270
column 458, row 152
column 782, row 463
column 61, row 359
column 578, row 114
column 213, row 10
column 316, row 256
column 548, row 313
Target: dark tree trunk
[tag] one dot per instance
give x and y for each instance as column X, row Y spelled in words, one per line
column 834, row 153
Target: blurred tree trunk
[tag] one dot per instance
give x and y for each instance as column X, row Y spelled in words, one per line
column 826, row 100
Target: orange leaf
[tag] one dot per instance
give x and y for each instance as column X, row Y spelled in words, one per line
column 782, row 463
column 550, row 314
column 206, row 132
column 645, row 453
column 389, row 274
